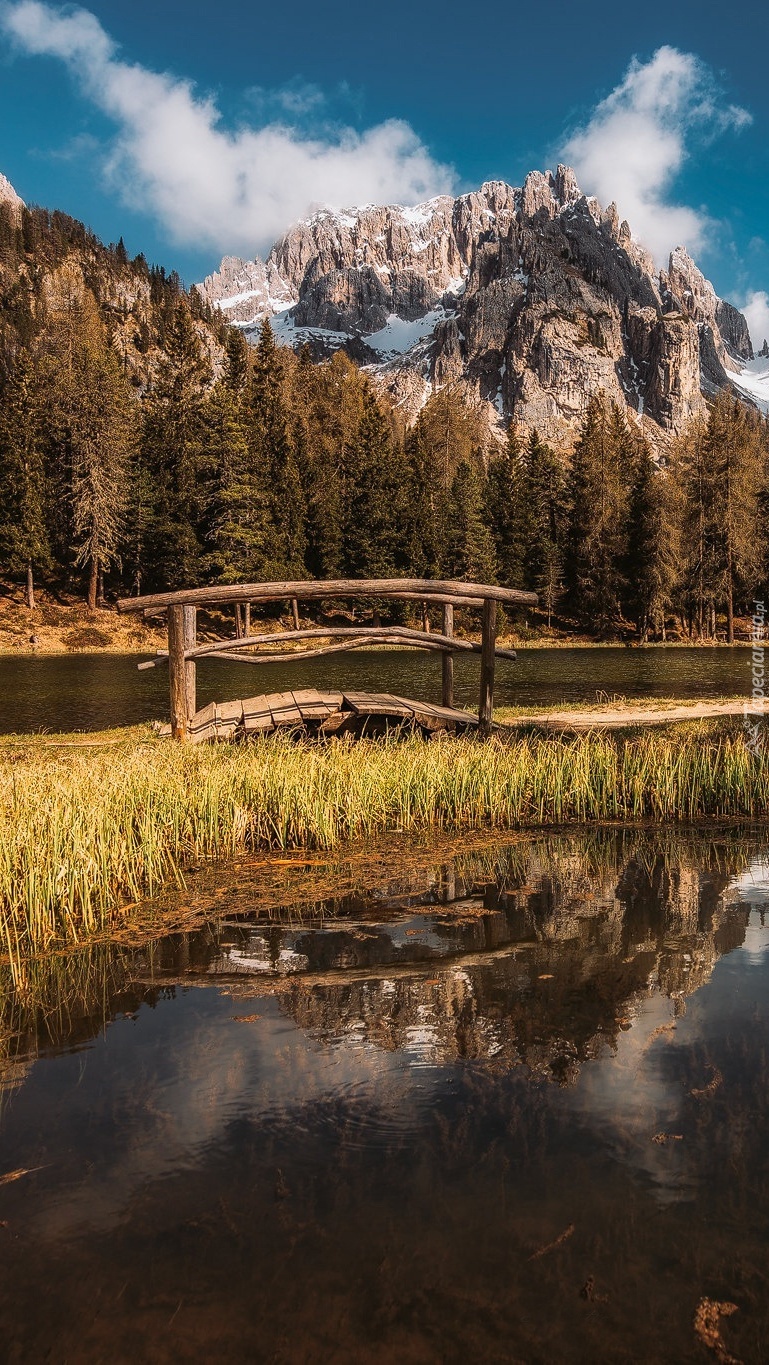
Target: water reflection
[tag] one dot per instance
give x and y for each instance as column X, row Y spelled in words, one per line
column 509, row 1105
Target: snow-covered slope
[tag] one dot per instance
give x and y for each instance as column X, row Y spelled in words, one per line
column 752, row 379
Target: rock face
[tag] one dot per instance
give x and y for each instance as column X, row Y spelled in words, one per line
column 528, row 299
column 9, row 196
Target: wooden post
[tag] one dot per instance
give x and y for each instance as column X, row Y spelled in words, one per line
column 488, row 641
column 247, row 617
column 190, row 641
column 448, row 659
column 295, row 611
column 177, row 672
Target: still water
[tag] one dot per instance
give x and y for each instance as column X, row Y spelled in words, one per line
column 495, row 1103
column 96, row 691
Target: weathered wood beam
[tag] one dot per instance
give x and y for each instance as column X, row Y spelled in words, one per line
column 230, row 649
column 488, row 654
column 447, row 662
column 424, row 588
column 365, row 634
column 177, row 672
column 190, row 641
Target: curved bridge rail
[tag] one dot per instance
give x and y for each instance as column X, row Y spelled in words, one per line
column 183, row 650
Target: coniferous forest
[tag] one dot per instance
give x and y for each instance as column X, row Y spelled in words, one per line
column 144, row 445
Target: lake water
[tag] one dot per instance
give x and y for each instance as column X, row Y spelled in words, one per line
column 96, row 691
column 504, row 1103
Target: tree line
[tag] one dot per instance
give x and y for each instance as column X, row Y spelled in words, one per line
column 228, row 463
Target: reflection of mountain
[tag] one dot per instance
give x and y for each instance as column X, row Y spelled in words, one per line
column 544, row 972
column 536, row 953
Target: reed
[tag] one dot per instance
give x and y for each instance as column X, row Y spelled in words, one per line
column 83, row 831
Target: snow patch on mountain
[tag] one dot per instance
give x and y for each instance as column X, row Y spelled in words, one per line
column 753, row 380
column 399, row 335
column 8, row 194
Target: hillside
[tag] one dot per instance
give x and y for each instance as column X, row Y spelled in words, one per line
column 50, row 262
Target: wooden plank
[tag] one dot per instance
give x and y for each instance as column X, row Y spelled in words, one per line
column 333, row 699
column 311, row 704
column 204, row 716
column 435, row 717
column 256, row 715
column 377, row 703
column 424, row 588
column 284, row 709
column 228, row 719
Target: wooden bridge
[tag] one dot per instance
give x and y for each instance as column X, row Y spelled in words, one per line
column 336, row 710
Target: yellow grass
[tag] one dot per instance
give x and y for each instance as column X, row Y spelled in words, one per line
column 84, row 830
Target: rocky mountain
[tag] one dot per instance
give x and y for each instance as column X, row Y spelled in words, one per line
column 47, row 259
column 527, row 300
column 9, row 196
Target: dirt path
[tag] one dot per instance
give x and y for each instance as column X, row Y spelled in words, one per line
column 614, row 717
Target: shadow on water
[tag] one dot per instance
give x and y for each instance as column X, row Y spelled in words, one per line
column 504, row 1102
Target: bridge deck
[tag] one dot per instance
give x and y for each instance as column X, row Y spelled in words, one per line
column 321, row 713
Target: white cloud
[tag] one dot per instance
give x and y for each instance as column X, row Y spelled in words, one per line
column 756, row 312
column 209, row 186
column 637, row 140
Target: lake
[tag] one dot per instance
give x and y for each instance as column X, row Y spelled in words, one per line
column 488, row 1101
column 97, row 691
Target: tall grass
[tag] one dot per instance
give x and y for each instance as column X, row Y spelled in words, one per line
column 82, row 834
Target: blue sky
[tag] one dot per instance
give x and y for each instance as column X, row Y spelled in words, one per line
column 197, row 129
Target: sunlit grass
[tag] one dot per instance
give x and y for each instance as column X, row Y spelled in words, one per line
column 86, row 830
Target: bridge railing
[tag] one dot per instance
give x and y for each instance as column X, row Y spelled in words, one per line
column 183, row 650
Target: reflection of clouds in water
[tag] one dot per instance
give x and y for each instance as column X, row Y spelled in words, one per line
column 752, row 885
column 201, row 1078
column 627, row 1098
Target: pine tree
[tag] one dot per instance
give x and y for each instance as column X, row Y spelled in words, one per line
column 174, row 452
column 652, row 564
column 272, row 457
column 508, row 512
column 733, row 452
column 598, row 522
column 545, row 498
column 91, row 420
column 470, row 548
column 376, row 503
column 24, row 541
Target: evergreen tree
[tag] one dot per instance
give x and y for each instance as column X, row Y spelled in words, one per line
column 545, row 497
column 735, row 459
column 24, row 541
column 508, row 512
column 272, row 457
column 652, row 565
column 470, row 549
column 376, row 502
column 174, row 453
column 598, row 522
column 91, row 419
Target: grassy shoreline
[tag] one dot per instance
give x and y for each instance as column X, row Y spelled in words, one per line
column 86, row 829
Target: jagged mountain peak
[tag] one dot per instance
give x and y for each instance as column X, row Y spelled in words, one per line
column 527, row 299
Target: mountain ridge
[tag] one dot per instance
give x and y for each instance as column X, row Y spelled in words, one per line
column 527, row 299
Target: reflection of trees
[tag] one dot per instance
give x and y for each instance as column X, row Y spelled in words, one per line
column 533, row 952
column 566, row 941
